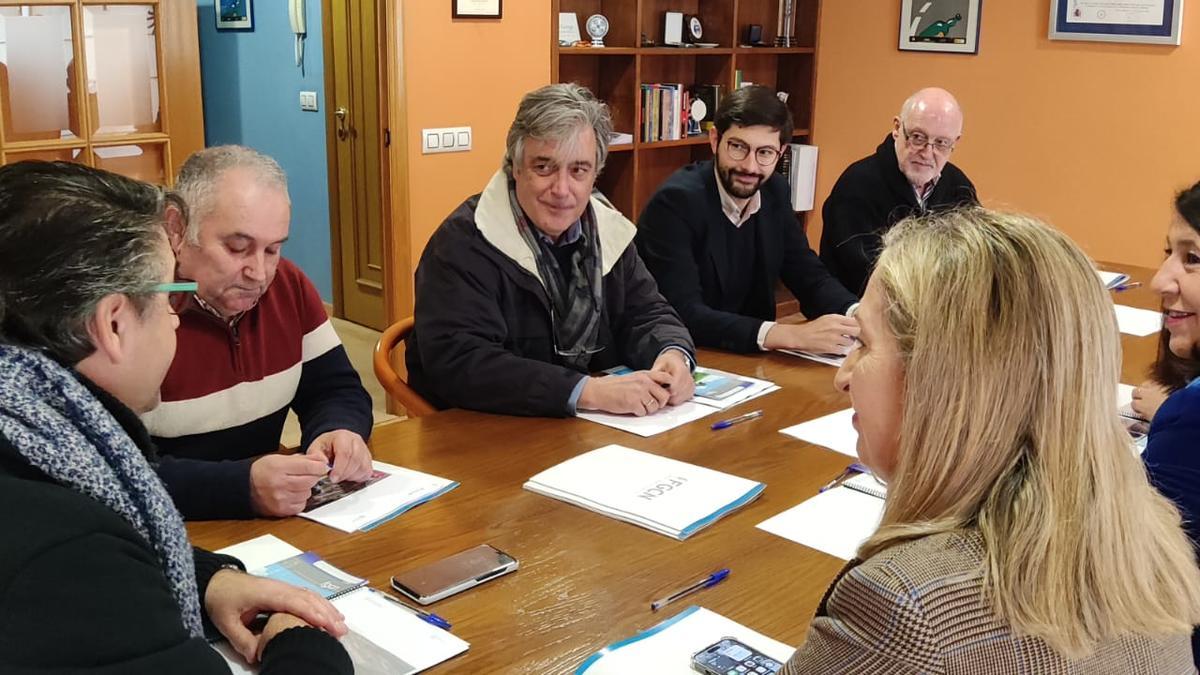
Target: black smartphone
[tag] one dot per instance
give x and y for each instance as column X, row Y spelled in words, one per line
column 728, row 655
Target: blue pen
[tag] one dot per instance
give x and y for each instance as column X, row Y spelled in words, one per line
column 725, row 424
column 427, row 617
column 1128, row 286
column 845, row 475
column 707, row 582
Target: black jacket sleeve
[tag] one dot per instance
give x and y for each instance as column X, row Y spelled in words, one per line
column 462, row 334
column 647, row 324
column 852, row 237
column 106, row 608
column 667, row 244
column 208, row 490
column 331, row 396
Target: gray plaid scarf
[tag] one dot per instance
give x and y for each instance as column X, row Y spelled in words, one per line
column 61, row 428
column 575, row 303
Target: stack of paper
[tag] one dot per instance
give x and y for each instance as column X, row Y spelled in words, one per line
column 715, row 390
column 1112, row 280
column 836, row 521
column 389, row 493
column 1139, row 322
column 667, row 649
column 658, row 493
column 384, row 638
column 835, row 360
column 835, row 432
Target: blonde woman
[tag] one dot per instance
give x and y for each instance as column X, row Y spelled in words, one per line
column 1020, row 534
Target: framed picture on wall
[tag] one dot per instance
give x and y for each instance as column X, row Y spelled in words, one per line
column 235, row 14
column 1146, row 21
column 940, row 26
column 477, row 9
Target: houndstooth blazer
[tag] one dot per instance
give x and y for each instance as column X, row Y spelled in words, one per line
column 918, row 607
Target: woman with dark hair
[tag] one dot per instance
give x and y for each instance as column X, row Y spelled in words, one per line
column 1172, row 453
column 96, row 571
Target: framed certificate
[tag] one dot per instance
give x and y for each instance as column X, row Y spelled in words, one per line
column 1145, row 21
column 941, row 26
column 477, row 9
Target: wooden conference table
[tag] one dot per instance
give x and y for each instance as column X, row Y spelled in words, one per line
column 587, row 580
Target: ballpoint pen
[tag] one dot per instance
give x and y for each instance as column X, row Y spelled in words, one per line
column 845, row 475
column 1128, row 285
column 707, row 582
column 427, row 617
column 725, row 424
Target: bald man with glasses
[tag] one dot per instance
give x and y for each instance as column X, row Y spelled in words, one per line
column 910, row 173
column 718, row 236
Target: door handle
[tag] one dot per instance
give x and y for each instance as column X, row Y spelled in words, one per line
column 340, row 115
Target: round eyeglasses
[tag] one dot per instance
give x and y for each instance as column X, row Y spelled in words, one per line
column 765, row 156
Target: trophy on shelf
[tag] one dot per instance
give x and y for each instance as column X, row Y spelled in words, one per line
column 784, row 36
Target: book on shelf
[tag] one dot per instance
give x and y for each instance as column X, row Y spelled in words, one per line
column 665, row 109
column 658, row 493
column 384, row 638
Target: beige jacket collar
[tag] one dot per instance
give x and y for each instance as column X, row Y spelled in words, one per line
column 494, row 218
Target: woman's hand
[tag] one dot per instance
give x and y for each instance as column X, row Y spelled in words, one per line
column 1147, row 397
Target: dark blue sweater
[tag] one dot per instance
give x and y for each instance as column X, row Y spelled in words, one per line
column 1172, row 459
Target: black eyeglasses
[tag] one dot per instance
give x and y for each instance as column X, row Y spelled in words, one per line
column 919, row 140
column 765, row 156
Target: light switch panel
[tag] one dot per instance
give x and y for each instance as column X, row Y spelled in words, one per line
column 308, row 101
column 445, row 139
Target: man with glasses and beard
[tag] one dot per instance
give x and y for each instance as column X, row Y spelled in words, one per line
column 910, row 173
column 719, row 235
column 533, row 284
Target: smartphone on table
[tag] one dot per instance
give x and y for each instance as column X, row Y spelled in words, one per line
column 443, row 578
column 729, row 656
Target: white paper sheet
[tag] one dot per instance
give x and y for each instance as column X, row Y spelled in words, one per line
column 385, row 639
column 828, row 359
column 1139, row 322
column 835, row 522
column 1112, row 279
column 381, row 501
column 833, row 431
column 661, row 420
column 667, row 648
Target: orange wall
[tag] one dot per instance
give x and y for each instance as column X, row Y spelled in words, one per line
column 465, row 73
column 1092, row 137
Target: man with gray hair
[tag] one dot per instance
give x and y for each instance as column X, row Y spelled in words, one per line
column 254, row 342
column 533, row 284
column 910, row 173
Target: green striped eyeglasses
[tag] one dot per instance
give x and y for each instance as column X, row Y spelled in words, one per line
column 178, row 293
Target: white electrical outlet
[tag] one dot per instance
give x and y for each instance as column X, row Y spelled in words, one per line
column 308, row 101
column 445, row 139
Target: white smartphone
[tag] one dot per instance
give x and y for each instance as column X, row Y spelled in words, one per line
column 457, row 573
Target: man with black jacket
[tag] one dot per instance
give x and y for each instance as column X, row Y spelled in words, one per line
column 910, row 173
column 718, row 237
column 533, row 284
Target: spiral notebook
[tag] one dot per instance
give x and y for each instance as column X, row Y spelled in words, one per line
column 835, row 521
column 384, row 638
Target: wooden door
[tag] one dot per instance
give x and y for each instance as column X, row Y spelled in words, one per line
column 356, row 96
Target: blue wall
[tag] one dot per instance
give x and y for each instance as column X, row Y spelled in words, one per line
column 252, row 97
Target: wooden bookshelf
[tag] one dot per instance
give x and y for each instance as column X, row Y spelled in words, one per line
column 616, row 72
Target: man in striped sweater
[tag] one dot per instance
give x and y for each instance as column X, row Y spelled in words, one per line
column 254, row 341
